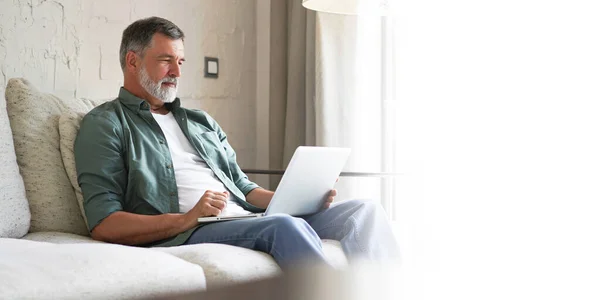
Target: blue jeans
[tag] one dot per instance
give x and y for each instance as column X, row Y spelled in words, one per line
column 361, row 226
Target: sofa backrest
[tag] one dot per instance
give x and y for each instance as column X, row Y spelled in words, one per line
column 34, row 122
column 14, row 210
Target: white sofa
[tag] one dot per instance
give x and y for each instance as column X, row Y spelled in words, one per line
column 45, row 248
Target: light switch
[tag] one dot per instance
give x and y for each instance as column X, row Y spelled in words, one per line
column 211, row 67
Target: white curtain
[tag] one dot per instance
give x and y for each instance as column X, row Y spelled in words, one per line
column 355, row 101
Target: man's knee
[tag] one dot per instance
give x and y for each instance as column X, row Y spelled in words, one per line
column 286, row 222
column 289, row 225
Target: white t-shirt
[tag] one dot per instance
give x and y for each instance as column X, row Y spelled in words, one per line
column 192, row 174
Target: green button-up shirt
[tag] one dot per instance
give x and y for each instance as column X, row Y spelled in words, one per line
column 124, row 164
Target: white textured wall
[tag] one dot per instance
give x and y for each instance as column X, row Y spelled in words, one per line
column 70, row 48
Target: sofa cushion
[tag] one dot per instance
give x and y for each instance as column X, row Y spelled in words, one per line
column 34, row 121
column 226, row 265
column 68, row 126
column 14, row 215
column 222, row 264
column 59, row 238
column 38, row 270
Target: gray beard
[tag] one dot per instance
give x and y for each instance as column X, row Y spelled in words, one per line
column 166, row 95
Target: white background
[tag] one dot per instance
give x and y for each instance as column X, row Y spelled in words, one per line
column 499, row 118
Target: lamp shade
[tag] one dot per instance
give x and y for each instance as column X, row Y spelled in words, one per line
column 353, row 7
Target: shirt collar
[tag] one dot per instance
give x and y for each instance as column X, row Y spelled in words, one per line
column 136, row 104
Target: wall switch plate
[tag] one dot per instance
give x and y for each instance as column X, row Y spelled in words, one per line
column 211, row 67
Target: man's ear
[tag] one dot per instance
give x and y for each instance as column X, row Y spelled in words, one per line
column 131, row 61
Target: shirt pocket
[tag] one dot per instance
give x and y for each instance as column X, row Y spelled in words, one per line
column 215, row 152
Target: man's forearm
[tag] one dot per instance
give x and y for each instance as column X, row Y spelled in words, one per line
column 133, row 229
column 260, row 197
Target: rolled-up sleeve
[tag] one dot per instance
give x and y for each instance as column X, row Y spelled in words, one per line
column 101, row 171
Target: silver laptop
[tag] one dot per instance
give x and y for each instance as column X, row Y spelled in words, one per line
column 305, row 185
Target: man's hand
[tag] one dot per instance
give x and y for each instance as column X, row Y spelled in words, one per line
column 332, row 195
column 210, row 204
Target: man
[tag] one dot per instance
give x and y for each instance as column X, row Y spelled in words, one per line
column 149, row 168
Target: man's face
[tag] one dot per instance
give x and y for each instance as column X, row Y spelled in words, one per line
column 161, row 67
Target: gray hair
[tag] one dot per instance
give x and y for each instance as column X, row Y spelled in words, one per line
column 138, row 36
